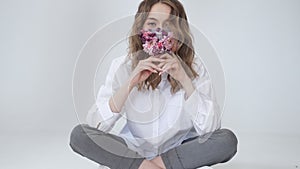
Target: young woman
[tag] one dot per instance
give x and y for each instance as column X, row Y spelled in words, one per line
column 173, row 119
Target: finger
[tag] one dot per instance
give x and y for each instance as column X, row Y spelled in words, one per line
column 146, row 67
column 161, row 64
column 171, row 60
column 166, row 56
column 152, row 65
column 154, row 59
column 146, row 73
column 169, row 66
column 150, row 69
column 161, row 73
column 165, row 67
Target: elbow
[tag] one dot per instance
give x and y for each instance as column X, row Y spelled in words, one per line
column 91, row 119
column 208, row 124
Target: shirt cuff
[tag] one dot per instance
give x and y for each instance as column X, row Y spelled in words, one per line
column 105, row 111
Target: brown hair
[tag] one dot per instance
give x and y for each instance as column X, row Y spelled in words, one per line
column 184, row 47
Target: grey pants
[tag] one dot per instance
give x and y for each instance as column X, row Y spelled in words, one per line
column 87, row 141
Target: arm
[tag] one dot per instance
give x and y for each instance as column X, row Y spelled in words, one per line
column 117, row 101
column 112, row 96
column 201, row 105
column 141, row 72
column 100, row 114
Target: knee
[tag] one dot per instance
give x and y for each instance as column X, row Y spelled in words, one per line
column 230, row 137
column 230, row 141
column 77, row 136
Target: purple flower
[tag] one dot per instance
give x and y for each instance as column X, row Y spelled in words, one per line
column 156, row 41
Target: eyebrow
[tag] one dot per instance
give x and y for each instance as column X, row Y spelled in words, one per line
column 152, row 19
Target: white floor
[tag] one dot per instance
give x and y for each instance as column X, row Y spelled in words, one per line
column 52, row 151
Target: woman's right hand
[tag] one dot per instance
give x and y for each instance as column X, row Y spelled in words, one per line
column 143, row 70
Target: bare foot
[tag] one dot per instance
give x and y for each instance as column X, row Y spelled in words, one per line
column 159, row 162
column 148, row 165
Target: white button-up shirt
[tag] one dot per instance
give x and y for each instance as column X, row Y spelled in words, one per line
column 156, row 120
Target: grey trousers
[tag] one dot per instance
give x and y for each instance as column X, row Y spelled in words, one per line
column 87, row 141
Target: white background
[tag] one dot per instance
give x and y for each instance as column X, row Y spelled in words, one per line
column 258, row 43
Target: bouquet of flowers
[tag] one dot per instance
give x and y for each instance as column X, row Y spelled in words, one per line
column 156, row 41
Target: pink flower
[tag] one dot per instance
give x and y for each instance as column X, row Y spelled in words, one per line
column 156, row 41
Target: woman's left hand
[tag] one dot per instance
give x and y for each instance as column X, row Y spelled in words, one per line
column 171, row 64
column 173, row 67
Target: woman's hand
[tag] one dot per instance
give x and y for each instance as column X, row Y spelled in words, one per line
column 144, row 69
column 171, row 64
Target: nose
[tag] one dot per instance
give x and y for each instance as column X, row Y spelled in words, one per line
column 160, row 26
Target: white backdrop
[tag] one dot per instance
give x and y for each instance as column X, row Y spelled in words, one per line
column 258, row 43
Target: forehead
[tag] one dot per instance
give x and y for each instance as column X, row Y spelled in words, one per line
column 160, row 11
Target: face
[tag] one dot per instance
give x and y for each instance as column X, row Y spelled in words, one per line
column 158, row 15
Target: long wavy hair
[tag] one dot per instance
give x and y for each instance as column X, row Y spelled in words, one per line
column 184, row 50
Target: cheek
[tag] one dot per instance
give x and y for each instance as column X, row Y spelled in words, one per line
column 147, row 27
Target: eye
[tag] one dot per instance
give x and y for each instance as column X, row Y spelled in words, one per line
column 152, row 24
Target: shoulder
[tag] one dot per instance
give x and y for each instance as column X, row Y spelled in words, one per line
column 197, row 62
column 199, row 66
column 121, row 69
column 116, row 62
column 121, row 62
